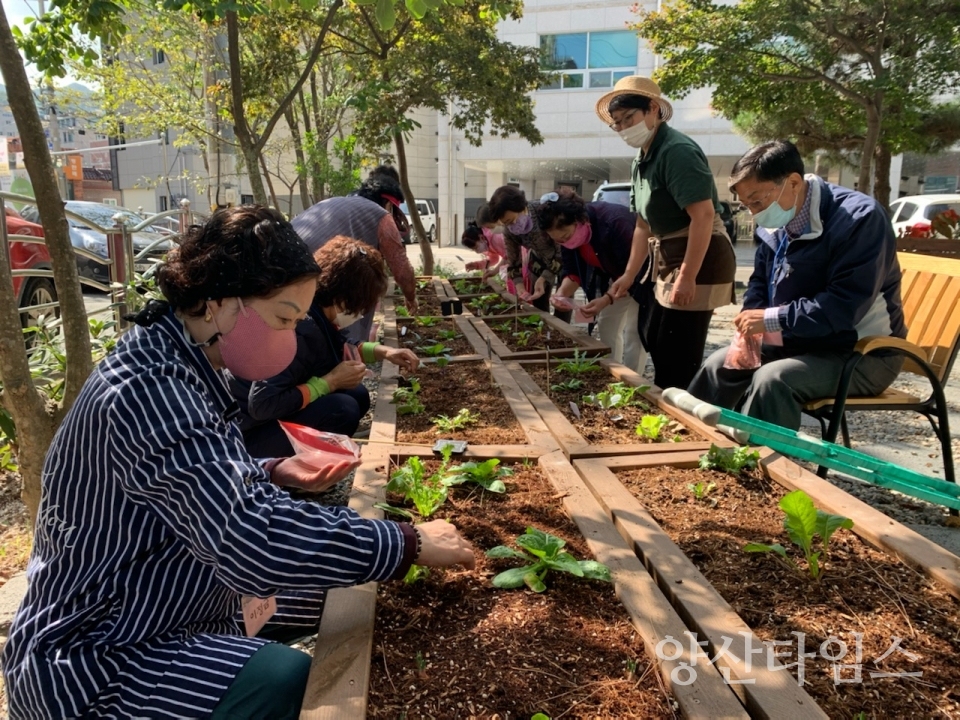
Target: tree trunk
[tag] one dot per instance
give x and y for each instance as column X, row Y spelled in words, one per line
column 425, row 249
column 301, row 160
column 881, row 182
column 34, row 421
column 245, row 139
column 266, row 174
column 869, row 148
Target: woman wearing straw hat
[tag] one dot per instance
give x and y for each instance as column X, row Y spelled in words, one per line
column 678, row 225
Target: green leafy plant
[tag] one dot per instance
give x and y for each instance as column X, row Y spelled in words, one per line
column 434, row 350
column 415, row 574
column 428, row 320
column 543, row 552
column 487, row 474
column 615, row 395
column 426, row 492
column 579, row 364
column 500, row 307
column 701, row 489
column 466, row 286
column 504, row 327
column 402, row 311
column 539, row 716
column 523, row 337
column 651, row 426
column 448, row 334
column 407, row 399
column 457, row 422
column 424, row 283
column 482, row 302
column 731, row 460
column 534, row 321
column 442, row 361
column 570, row 385
column 803, row 523
column 420, row 661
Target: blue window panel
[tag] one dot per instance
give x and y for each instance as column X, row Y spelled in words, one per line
column 563, row 52
column 613, row 49
column 600, row 79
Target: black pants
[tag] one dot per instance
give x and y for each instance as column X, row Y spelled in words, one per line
column 676, row 340
column 543, row 303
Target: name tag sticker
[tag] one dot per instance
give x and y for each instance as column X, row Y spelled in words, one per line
column 256, row 612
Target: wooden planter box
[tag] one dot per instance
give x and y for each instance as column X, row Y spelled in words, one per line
column 583, row 343
column 340, row 674
column 575, row 445
column 765, row 687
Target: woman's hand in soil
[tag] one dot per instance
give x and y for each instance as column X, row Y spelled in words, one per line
column 300, row 471
column 347, row 374
column 403, row 358
column 442, row 545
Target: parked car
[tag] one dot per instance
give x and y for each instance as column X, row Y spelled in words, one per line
column 618, row 193
column 30, row 291
column 726, row 214
column 428, row 216
column 88, row 236
column 911, row 215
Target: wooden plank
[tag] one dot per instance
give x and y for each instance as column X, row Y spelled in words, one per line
column 465, row 324
column 773, row 693
column 927, row 309
column 669, row 449
column 653, row 617
column 440, row 287
column 943, row 332
column 481, row 333
column 873, row 526
column 678, row 460
column 923, row 263
column 563, row 430
column 913, row 298
column 530, row 420
column 384, row 425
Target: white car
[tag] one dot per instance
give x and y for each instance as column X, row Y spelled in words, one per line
column 618, row 193
column 428, row 216
column 912, row 214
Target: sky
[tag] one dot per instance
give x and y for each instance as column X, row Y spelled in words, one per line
column 19, row 10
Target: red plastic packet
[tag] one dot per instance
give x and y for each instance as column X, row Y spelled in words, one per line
column 579, row 316
column 320, row 449
column 743, row 353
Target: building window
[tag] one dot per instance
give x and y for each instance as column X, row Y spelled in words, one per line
column 163, row 203
column 159, row 57
column 588, row 60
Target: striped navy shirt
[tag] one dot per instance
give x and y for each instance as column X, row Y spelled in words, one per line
column 153, row 521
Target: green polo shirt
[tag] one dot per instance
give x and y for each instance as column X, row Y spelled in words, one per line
column 672, row 175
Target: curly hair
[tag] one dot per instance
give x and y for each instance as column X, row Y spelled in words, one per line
column 246, row 251
column 507, row 199
column 378, row 187
column 567, row 210
column 472, row 234
column 352, row 275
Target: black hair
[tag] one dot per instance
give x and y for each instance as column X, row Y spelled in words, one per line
column 472, row 234
column 376, row 186
column 485, row 216
column 507, row 199
column 567, row 210
column 245, row 251
column 352, row 275
column 772, row 161
column 629, row 102
column 386, row 171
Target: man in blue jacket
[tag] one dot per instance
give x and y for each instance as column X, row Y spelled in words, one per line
column 825, row 275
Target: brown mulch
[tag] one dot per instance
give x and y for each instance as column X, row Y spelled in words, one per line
column 539, row 338
column 453, row 646
column 431, row 336
column 15, row 541
column 444, row 391
column 861, row 591
column 427, row 304
column 616, row 426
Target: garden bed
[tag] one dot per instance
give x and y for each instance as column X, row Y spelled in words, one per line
column 423, row 334
column 861, row 590
column 534, row 335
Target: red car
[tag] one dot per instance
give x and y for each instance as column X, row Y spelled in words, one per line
column 30, row 256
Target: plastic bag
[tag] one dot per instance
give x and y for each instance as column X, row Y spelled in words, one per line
column 743, row 353
column 320, row 449
column 579, row 316
column 561, row 303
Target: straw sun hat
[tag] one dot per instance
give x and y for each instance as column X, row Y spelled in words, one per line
column 634, row 85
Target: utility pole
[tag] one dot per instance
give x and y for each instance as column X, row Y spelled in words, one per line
column 53, row 121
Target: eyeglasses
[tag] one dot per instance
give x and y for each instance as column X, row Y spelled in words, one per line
column 617, row 124
column 755, row 206
column 549, row 197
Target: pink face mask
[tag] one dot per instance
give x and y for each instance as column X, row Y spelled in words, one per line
column 255, row 351
column 581, row 236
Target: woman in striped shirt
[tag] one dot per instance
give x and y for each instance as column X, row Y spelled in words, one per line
column 154, row 520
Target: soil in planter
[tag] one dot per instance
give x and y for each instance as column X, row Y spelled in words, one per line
column 445, row 391
column 616, row 426
column 489, row 304
column 453, row 646
column 519, row 337
column 861, row 591
column 431, row 336
column 470, row 286
column 427, row 304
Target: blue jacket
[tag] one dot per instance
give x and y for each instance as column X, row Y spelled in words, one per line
column 842, row 278
column 319, row 350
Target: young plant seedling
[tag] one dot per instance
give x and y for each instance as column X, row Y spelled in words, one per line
column 457, row 422
column 407, row 399
column 500, row 307
column 423, row 284
column 416, row 573
column 523, row 337
column 504, row 327
column 651, row 426
column 428, row 320
column 571, row 385
column 534, row 321
column 731, row 460
column 579, row 364
column 402, row 311
column 427, row 493
column 615, row 395
column 702, row 489
column 803, row 522
column 434, row 350
column 448, row 334
column 481, row 303
column 486, row 474
column 543, row 552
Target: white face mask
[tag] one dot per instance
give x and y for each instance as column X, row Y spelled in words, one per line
column 637, row 135
column 345, row 319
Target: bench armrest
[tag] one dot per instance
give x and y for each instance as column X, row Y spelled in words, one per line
column 872, row 343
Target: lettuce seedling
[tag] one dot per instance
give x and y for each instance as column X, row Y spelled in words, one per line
column 423, row 284
column 803, row 522
column 482, row 302
column 534, row 321
column 457, row 422
column 504, row 327
column 523, row 337
column 410, row 480
column 651, row 426
column 580, row 364
column 428, row 320
column 435, row 350
column 701, row 489
column 615, row 395
column 731, row 460
column 416, row 573
column 407, row 399
column 402, row 311
column 448, row 334
column 543, row 551
column 486, row 474
column 570, row 385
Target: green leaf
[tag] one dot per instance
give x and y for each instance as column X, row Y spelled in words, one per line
column 534, row 582
column 801, row 518
column 760, row 547
column 593, row 570
column 386, row 507
column 828, row 524
column 512, row 578
column 502, row 551
column 813, row 561
column 417, row 8
column 565, row 562
column 442, row 361
column 386, row 14
column 493, row 485
column 539, row 543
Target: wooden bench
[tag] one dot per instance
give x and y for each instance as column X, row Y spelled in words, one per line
column 930, row 289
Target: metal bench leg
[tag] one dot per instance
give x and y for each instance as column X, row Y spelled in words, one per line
column 845, row 432
column 821, row 470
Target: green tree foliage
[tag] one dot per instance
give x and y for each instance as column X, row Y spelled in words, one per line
column 866, row 71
